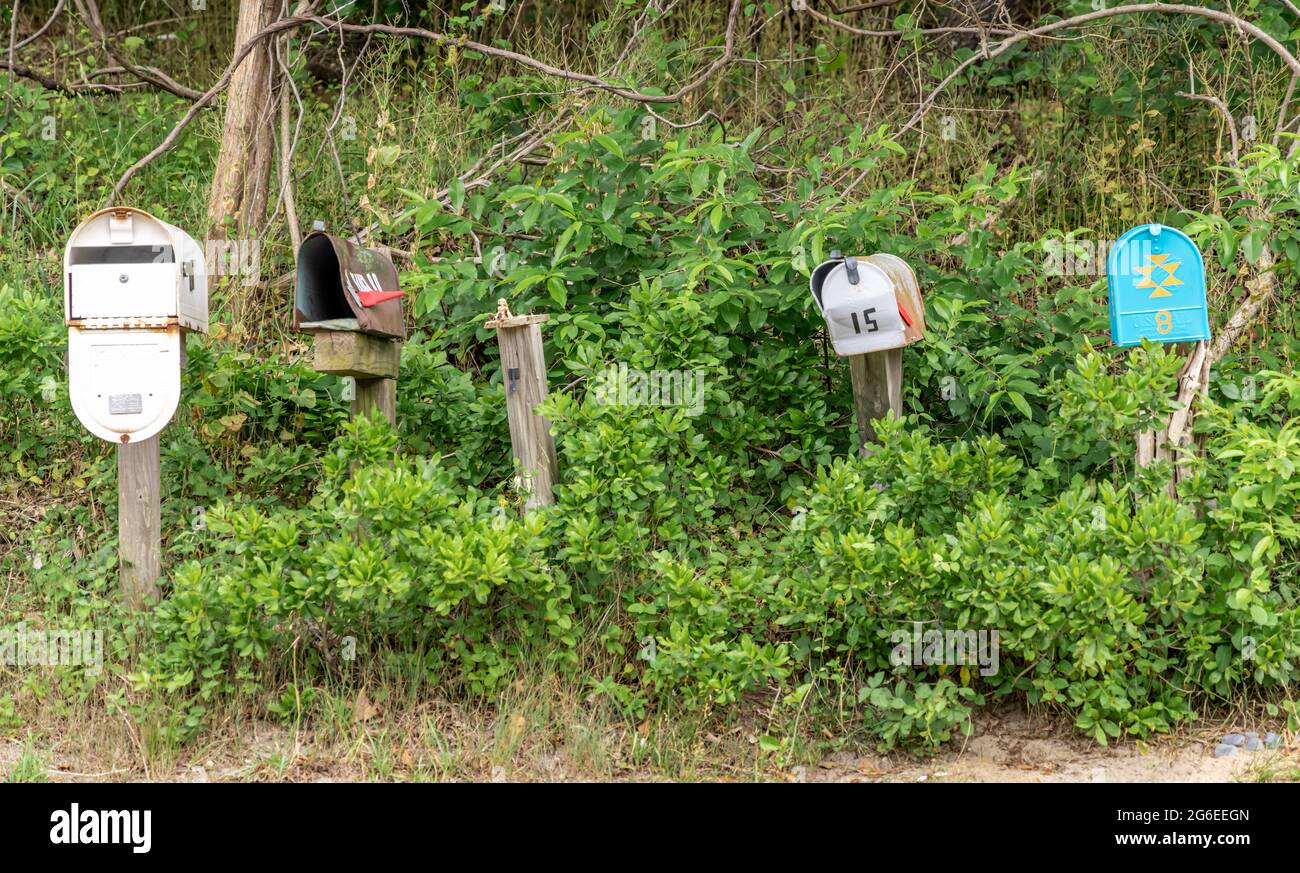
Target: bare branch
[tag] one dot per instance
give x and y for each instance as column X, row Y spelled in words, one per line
column 1136, row 9
column 924, row 31
column 1282, row 123
column 290, row 23
column 1222, row 109
column 729, row 47
column 13, row 39
column 705, row 116
column 162, row 22
column 204, row 100
column 90, row 12
column 58, row 8
column 863, row 7
column 175, row 87
column 40, row 78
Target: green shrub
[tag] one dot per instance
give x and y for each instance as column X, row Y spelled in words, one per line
column 387, row 550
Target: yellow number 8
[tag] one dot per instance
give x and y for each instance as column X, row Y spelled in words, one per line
column 1164, row 321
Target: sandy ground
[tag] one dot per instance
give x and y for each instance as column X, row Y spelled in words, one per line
column 1012, row 747
column 1008, row 746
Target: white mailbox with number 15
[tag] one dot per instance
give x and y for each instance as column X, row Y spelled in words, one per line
column 870, row 304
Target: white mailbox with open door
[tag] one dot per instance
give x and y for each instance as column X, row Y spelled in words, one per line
column 131, row 284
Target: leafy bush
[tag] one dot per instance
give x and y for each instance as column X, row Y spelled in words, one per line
column 386, row 550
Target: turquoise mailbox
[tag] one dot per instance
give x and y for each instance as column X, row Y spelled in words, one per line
column 1156, row 280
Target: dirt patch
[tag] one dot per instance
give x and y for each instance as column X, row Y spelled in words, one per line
column 447, row 743
column 1014, row 747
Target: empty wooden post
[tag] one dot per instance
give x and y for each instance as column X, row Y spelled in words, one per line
column 524, row 370
column 139, row 521
column 371, row 360
column 877, row 391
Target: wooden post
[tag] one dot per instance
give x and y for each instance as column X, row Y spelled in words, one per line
column 378, row 394
column 877, row 391
column 139, row 521
column 524, row 370
column 372, row 361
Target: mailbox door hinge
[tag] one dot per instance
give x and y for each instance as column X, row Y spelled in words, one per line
column 109, row 323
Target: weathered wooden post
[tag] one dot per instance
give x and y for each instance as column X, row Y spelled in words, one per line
column 132, row 286
column 877, row 379
column 1155, row 277
column 523, row 367
column 139, row 520
column 348, row 298
column 872, row 308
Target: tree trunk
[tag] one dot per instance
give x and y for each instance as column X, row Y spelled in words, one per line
column 241, row 180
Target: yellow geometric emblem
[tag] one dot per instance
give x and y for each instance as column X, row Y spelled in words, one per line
column 1161, row 290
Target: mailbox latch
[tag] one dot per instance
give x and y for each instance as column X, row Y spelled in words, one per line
column 121, row 228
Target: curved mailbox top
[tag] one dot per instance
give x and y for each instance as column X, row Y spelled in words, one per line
column 1156, row 280
column 124, row 268
column 342, row 286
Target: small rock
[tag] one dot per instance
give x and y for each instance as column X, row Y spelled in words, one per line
column 1272, row 740
column 1233, row 740
column 1253, row 744
column 1223, row 751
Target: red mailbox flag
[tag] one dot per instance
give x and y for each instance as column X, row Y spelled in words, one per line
column 370, row 298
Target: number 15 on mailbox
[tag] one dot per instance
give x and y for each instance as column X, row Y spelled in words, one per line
column 1156, row 280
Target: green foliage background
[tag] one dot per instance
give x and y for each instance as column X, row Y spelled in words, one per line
column 744, row 553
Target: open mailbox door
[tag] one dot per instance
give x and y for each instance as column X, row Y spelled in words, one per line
column 870, row 304
column 131, row 285
column 343, row 287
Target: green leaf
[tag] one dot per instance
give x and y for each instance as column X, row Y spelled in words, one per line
column 559, row 293
column 1252, row 246
column 715, row 217
column 609, row 144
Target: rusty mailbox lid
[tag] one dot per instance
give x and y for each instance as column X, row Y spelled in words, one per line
column 342, row 286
